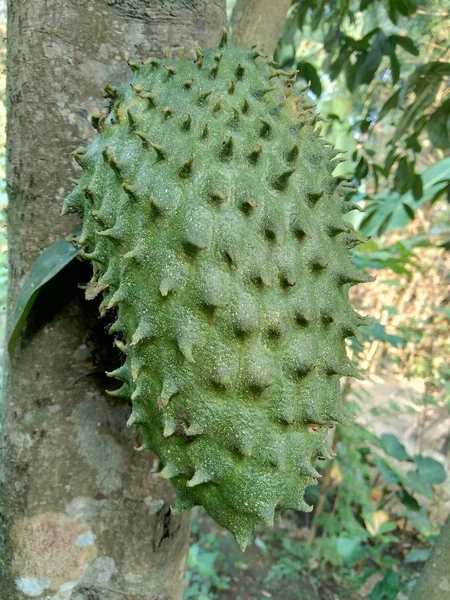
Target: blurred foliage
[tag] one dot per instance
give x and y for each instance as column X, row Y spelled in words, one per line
column 386, row 61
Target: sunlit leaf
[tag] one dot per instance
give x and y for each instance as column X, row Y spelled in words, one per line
column 376, row 520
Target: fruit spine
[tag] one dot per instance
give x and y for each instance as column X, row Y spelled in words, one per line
column 214, row 227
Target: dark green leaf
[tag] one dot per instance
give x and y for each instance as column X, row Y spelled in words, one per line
column 413, row 5
column 425, row 82
column 340, row 62
column 395, row 67
column 384, row 224
column 391, row 103
column 408, row 500
column 403, row 7
column 392, row 11
column 302, row 11
column 362, row 168
column 367, row 62
column 332, row 38
column 317, row 16
column 430, row 470
column 409, row 211
column 412, row 142
column 387, row 588
column 406, row 43
column 417, row 187
column 364, row 42
column 308, row 72
column 393, row 447
column 48, row 264
column 403, row 175
column 390, row 159
column 439, row 127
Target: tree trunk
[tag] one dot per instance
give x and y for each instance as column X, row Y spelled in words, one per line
column 434, row 582
column 259, row 21
column 82, row 516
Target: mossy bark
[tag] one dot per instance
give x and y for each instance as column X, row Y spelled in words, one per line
column 82, row 516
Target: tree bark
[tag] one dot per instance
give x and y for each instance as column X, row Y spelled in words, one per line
column 434, row 582
column 259, row 22
column 82, row 516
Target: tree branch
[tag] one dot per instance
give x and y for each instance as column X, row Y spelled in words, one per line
column 259, row 21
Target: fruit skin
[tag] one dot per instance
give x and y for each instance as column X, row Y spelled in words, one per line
column 214, row 227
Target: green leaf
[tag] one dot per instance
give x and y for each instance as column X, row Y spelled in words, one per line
column 412, row 142
column 430, row 470
column 48, row 264
column 395, row 67
column 417, row 187
column 403, row 175
column 409, row 211
column 388, row 588
column 417, row 555
column 387, row 208
column 362, row 168
column 346, row 546
column 386, row 472
column 393, row 447
column 340, row 62
column 418, row 484
column 392, row 12
column 368, row 62
column 308, row 72
column 425, row 82
column 406, row 43
column 439, row 127
column 408, row 500
column 390, row 103
column 317, row 16
column 404, row 7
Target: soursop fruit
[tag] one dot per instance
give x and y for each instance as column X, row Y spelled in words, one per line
column 215, row 229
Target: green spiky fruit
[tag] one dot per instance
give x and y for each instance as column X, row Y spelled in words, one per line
column 215, row 230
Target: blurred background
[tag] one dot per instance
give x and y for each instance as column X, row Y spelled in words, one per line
column 379, row 73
